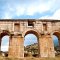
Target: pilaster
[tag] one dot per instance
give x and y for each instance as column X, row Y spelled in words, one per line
column 16, row 47
column 46, row 46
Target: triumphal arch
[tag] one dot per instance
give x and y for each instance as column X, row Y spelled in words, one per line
column 18, row 28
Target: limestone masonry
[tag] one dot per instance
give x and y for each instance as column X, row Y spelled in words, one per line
column 17, row 29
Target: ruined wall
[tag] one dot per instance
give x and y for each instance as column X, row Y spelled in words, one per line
column 18, row 28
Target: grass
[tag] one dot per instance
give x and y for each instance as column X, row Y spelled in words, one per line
column 29, row 58
column 56, row 58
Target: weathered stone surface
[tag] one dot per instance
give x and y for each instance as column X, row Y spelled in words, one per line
column 18, row 29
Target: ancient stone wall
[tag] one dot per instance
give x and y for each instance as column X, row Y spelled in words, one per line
column 17, row 29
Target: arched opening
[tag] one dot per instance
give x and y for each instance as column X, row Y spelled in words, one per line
column 31, row 44
column 4, row 44
column 56, row 41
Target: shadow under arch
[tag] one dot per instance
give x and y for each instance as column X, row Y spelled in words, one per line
column 37, row 35
column 4, row 32
column 31, row 31
column 56, row 33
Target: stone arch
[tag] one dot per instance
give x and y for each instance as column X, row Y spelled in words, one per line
column 34, row 31
column 56, row 47
column 2, row 34
column 36, row 34
column 57, row 33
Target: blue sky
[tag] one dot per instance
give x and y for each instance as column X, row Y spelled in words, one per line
column 5, row 43
column 37, row 9
column 55, row 40
column 28, row 9
column 28, row 40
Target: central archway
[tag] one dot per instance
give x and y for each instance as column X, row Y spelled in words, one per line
column 34, row 45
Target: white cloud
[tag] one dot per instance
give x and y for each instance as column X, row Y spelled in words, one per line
column 56, row 15
column 31, row 10
column 4, row 48
column 39, row 7
column 7, row 16
column 19, row 10
column 27, row 8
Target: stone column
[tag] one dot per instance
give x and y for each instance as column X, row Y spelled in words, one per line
column 10, row 47
column 39, row 47
column 51, row 51
column 46, row 46
column 59, row 40
column 0, row 44
column 16, row 47
column 43, row 46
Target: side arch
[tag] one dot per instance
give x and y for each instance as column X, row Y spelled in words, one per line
column 56, row 41
column 2, row 34
column 57, row 33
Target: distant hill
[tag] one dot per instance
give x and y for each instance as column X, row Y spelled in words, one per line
column 33, row 48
